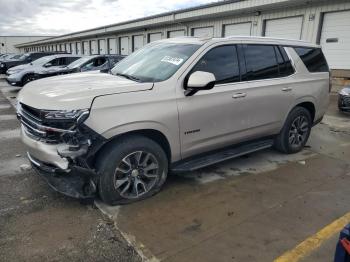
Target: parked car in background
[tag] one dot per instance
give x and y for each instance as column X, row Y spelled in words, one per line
column 22, row 59
column 178, row 104
column 6, row 57
column 23, row 74
column 344, row 99
column 103, row 63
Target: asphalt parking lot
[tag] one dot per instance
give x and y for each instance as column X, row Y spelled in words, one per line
column 254, row 208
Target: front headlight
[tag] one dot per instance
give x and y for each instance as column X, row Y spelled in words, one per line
column 345, row 92
column 11, row 72
column 79, row 115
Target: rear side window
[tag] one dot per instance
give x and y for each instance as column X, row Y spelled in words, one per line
column 313, row 59
column 261, row 62
column 71, row 59
column 223, row 62
column 284, row 63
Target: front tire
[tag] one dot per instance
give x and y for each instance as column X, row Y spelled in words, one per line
column 26, row 79
column 131, row 169
column 295, row 132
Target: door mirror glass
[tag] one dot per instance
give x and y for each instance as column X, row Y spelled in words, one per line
column 199, row 80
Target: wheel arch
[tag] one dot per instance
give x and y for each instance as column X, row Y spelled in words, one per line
column 309, row 103
column 153, row 134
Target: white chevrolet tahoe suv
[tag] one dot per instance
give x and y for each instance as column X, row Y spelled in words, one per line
column 175, row 105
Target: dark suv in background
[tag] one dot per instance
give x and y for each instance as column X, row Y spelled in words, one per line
column 23, row 59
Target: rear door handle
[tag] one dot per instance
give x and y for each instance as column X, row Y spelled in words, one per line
column 239, row 95
column 286, row 89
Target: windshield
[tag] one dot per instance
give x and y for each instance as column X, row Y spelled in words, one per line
column 43, row 60
column 155, row 62
column 14, row 57
column 79, row 62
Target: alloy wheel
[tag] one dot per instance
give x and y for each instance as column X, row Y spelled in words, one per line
column 299, row 131
column 136, row 174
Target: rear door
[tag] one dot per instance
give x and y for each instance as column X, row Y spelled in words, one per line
column 269, row 87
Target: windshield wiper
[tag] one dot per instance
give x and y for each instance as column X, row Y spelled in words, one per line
column 130, row 77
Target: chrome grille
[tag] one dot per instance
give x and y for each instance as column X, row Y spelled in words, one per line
column 38, row 128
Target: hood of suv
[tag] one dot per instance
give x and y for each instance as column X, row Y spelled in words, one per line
column 19, row 67
column 76, row 91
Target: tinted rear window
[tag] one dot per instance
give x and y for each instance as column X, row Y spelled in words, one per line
column 313, row 59
column 261, row 62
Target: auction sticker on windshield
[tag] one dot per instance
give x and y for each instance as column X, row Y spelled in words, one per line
column 172, row 60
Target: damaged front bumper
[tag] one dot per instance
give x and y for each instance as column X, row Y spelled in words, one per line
column 74, row 182
column 63, row 157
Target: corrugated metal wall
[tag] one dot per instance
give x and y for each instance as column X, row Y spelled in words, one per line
column 311, row 13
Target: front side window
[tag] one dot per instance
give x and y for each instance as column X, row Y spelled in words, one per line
column 155, row 62
column 313, row 59
column 261, row 62
column 221, row 61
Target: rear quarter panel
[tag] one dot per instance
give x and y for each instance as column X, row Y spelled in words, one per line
column 309, row 87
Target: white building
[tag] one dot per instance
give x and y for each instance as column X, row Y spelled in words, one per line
column 326, row 22
column 8, row 43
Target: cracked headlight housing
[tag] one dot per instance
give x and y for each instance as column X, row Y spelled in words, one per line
column 78, row 115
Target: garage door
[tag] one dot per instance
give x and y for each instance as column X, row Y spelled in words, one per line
column 78, row 47
column 285, row 27
column 112, row 46
column 124, row 45
column 176, row 33
column 62, row 47
column 68, row 48
column 86, row 49
column 74, row 51
column 335, row 39
column 238, row 29
column 137, row 42
column 154, row 37
column 102, row 46
column 94, row 47
column 203, row 32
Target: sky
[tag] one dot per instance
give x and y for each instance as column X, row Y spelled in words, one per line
column 56, row 17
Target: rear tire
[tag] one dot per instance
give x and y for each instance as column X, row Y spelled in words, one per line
column 295, row 132
column 133, row 168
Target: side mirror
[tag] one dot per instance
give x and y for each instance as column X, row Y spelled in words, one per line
column 199, row 80
column 48, row 65
column 105, row 70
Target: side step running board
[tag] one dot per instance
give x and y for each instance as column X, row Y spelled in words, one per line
column 212, row 158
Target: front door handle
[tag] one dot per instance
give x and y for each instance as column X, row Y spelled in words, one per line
column 286, row 89
column 239, row 95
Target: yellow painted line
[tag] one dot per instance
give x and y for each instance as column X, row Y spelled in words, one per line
column 315, row 241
